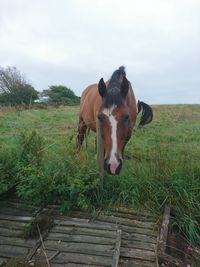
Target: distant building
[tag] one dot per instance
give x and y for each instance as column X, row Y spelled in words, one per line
column 42, row 99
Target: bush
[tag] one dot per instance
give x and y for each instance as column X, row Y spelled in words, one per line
column 14, row 89
column 30, row 174
column 59, row 94
column 32, row 147
column 85, row 187
column 8, row 169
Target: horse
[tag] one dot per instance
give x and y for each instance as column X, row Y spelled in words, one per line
column 113, row 103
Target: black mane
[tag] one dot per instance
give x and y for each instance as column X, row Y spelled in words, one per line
column 113, row 96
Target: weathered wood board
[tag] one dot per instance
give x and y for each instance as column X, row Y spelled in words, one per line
column 119, row 238
column 13, row 218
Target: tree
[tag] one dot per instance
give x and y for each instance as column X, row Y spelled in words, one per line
column 14, row 89
column 60, row 94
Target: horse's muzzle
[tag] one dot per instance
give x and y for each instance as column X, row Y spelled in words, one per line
column 113, row 170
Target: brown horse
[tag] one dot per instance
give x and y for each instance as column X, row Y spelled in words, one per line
column 115, row 106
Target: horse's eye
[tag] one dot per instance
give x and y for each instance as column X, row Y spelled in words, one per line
column 100, row 117
column 125, row 117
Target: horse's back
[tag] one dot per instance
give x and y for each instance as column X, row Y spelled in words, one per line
column 89, row 105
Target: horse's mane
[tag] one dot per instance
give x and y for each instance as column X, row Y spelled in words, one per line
column 117, row 75
column 113, row 96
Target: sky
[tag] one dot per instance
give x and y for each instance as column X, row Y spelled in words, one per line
column 76, row 42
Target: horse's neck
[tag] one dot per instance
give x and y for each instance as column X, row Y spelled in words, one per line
column 132, row 104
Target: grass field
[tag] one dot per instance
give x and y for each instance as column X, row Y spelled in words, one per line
column 38, row 157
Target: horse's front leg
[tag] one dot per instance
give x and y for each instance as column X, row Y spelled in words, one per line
column 81, row 133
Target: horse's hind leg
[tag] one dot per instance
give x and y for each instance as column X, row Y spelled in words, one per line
column 81, row 132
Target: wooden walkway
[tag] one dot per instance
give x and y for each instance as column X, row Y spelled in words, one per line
column 121, row 238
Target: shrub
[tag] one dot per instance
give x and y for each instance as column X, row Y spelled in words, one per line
column 60, row 94
column 32, row 147
column 85, row 187
column 8, row 170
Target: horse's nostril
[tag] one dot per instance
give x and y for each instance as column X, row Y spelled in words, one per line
column 119, row 167
column 113, row 168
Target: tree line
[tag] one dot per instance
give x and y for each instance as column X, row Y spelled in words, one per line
column 16, row 90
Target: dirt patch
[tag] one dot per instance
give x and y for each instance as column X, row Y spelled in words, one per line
column 178, row 247
column 20, row 262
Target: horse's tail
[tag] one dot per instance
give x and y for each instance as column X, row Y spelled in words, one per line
column 147, row 113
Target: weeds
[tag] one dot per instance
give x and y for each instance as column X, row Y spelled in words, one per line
column 8, row 162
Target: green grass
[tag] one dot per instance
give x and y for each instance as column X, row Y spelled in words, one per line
column 52, row 123
column 38, row 157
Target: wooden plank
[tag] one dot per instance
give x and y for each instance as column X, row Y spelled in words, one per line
column 16, row 241
column 83, row 231
column 20, row 225
column 164, row 230
column 116, row 211
column 12, row 224
column 129, row 228
column 68, row 258
column 162, row 243
column 126, row 222
column 138, row 244
column 10, row 232
column 113, row 219
column 138, row 237
column 16, row 218
column 80, row 238
column 85, row 248
column 104, row 233
column 104, row 226
column 54, row 256
column 127, row 262
column 73, row 265
column 39, row 254
column 18, row 206
column 12, row 251
column 75, row 239
column 85, row 223
column 124, row 210
column 117, row 249
column 64, row 258
column 139, row 231
column 134, row 216
column 15, row 211
column 130, row 216
column 138, row 254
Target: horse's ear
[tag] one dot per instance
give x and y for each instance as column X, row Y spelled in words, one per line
column 102, row 88
column 124, row 87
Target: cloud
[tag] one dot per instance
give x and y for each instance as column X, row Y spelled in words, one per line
column 77, row 42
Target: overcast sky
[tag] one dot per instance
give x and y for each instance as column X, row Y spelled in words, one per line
column 76, row 42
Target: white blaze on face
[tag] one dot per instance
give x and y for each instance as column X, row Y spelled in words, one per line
column 113, row 161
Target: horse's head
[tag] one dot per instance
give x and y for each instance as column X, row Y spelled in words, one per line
column 115, row 122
